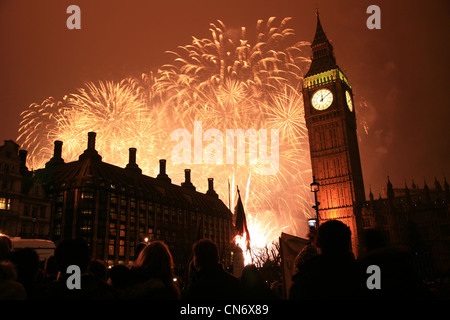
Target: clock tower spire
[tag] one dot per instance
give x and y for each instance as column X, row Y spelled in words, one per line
column 322, row 50
column 331, row 123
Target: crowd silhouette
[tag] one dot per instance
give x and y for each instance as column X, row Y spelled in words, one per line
column 325, row 268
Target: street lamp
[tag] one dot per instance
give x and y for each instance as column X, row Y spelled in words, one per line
column 315, row 188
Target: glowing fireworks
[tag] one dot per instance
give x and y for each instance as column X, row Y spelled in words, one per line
column 225, row 82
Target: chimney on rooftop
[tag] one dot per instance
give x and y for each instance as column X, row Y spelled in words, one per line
column 132, row 161
column 91, row 140
column 57, row 152
column 23, row 160
column 162, row 171
column 187, row 180
column 211, row 190
column 90, row 152
column 57, row 149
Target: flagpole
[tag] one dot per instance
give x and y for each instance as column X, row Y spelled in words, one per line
column 229, row 200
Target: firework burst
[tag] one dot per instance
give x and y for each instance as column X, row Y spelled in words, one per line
column 227, row 82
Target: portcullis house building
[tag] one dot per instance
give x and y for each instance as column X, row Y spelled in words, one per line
column 116, row 208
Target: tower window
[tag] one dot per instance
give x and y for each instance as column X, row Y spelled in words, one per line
column 5, row 204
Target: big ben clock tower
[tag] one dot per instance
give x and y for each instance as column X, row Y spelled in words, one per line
column 331, row 123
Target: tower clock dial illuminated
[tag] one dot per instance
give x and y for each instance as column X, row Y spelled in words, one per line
column 322, row 99
column 349, row 100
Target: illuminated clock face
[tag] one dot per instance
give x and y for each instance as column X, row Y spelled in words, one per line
column 349, row 100
column 322, row 99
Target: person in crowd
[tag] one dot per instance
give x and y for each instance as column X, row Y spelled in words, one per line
column 26, row 261
column 76, row 252
column 140, row 246
column 5, row 247
column 50, row 272
column 152, row 274
column 211, row 281
column 99, row 270
column 334, row 272
column 309, row 251
column 398, row 280
column 10, row 289
column 119, row 278
column 253, row 285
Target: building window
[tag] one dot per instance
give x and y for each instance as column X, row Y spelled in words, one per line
column 112, row 213
column 42, row 214
column 87, row 195
column 174, row 215
column 112, row 229
column 5, row 204
column 60, row 198
column 111, row 247
column 57, row 229
column 86, row 228
column 34, row 211
column 166, row 214
column 113, row 198
column 26, row 210
column 121, row 247
column 122, row 230
column 86, row 212
column 123, row 215
column 58, row 213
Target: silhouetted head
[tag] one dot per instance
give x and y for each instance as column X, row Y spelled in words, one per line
column 155, row 259
column 26, row 261
column 50, row 266
column 98, row 269
column 72, row 252
column 139, row 248
column 5, row 247
column 251, row 277
column 334, row 237
column 206, row 254
column 119, row 276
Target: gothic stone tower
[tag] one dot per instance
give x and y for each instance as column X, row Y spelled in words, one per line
column 331, row 123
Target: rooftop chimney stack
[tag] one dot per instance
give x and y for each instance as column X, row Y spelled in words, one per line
column 187, row 180
column 211, row 190
column 57, row 152
column 91, row 140
column 132, row 165
column 132, row 156
column 57, row 149
column 23, row 160
column 90, row 152
column 162, row 171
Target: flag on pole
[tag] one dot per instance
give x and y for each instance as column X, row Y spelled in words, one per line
column 290, row 246
column 241, row 222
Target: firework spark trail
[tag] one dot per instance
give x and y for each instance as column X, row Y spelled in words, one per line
column 223, row 82
column 232, row 84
